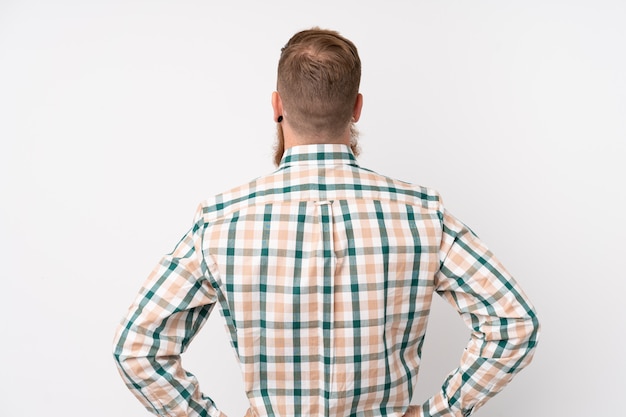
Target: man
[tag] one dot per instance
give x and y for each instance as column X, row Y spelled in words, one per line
column 325, row 272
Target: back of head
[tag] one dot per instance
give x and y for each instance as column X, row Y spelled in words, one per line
column 319, row 73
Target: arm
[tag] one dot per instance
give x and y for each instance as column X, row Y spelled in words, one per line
column 171, row 307
column 502, row 320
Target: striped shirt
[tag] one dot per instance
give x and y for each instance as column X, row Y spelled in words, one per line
column 324, row 273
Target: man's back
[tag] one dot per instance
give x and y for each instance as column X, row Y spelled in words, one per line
column 325, row 272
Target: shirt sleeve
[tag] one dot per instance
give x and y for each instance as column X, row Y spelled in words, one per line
column 503, row 322
column 172, row 305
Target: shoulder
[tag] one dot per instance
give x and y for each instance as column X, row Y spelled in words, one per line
column 402, row 191
column 230, row 201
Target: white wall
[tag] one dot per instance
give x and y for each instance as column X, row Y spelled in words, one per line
column 117, row 118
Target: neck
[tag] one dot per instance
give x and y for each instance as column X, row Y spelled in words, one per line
column 294, row 139
column 287, row 138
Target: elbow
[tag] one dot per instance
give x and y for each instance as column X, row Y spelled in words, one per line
column 116, row 356
column 127, row 367
column 528, row 344
column 120, row 365
column 536, row 329
column 118, row 359
column 510, row 339
column 119, row 351
column 534, row 332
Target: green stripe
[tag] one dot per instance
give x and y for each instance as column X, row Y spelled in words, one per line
column 356, row 303
column 384, row 244
column 297, row 318
column 420, row 194
column 263, row 280
column 327, row 329
column 415, row 282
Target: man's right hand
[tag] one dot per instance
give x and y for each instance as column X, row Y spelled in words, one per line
column 412, row 411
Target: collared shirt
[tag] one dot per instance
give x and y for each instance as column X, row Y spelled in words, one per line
column 324, row 273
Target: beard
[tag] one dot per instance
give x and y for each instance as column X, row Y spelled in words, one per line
column 279, row 145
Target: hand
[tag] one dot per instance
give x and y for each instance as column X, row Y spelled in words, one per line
column 412, row 411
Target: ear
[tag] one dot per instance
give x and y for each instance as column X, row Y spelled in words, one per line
column 277, row 105
column 358, row 106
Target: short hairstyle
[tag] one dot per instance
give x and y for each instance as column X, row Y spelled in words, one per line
column 319, row 73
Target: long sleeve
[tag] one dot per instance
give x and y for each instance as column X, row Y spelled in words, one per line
column 171, row 307
column 503, row 323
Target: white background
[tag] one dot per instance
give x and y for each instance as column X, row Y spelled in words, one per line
column 118, row 117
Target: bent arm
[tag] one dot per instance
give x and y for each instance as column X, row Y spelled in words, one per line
column 502, row 320
column 171, row 307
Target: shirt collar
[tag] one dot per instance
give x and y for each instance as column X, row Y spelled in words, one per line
column 321, row 154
